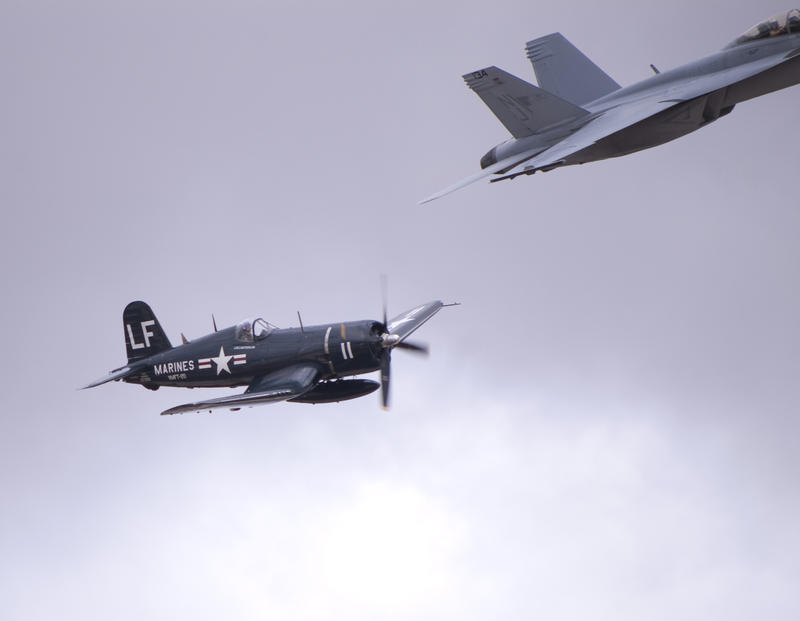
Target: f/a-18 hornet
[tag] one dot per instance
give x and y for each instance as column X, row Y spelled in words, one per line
column 578, row 114
column 305, row 365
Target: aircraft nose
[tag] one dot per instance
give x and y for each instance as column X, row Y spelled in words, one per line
column 489, row 159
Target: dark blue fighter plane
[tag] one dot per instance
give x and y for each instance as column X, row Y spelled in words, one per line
column 312, row 364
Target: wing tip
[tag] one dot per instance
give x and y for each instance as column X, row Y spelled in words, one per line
column 430, row 198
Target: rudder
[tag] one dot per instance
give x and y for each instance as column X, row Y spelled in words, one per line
column 144, row 336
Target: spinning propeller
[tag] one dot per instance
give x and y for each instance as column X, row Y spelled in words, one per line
column 394, row 334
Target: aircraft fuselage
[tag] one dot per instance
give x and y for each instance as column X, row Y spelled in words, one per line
column 219, row 359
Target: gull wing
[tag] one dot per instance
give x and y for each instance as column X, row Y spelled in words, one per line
column 406, row 323
column 280, row 385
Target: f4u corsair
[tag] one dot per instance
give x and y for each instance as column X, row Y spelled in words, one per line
column 578, row 114
column 304, row 364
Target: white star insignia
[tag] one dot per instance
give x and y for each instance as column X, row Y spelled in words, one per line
column 222, row 361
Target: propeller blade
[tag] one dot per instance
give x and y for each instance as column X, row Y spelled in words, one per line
column 417, row 348
column 384, row 295
column 386, row 363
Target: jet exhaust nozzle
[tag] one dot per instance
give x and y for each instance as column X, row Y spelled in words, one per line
column 489, row 159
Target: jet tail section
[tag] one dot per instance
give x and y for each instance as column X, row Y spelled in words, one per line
column 143, row 334
column 522, row 107
column 563, row 69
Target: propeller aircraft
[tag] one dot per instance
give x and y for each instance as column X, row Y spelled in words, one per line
column 579, row 114
column 311, row 364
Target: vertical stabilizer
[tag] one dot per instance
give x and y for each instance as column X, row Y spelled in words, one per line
column 143, row 334
column 522, row 107
column 564, row 70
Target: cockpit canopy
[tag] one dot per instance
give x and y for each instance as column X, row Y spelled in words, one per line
column 785, row 23
column 251, row 330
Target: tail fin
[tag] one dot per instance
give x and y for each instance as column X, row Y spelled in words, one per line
column 522, row 107
column 563, row 69
column 143, row 334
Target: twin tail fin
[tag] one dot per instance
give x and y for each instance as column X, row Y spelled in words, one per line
column 523, row 108
column 564, row 70
column 567, row 79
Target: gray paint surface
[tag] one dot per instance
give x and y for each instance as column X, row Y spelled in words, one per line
column 605, row 429
column 587, row 117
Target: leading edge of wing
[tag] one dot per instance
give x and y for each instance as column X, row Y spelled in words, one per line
column 279, row 385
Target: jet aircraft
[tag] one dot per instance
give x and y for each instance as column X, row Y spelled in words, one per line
column 304, row 365
column 578, row 114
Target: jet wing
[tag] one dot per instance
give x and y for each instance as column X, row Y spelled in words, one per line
column 279, row 385
column 629, row 113
column 602, row 125
column 607, row 123
column 406, row 323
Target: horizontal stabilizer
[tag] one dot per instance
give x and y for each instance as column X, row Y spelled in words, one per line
column 564, row 70
column 116, row 374
column 522, row 107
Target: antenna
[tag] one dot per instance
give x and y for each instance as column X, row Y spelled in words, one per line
column 300, row 319
column 214, row 321
column 653, row 67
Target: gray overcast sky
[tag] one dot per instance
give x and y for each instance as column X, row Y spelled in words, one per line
column 606, row 429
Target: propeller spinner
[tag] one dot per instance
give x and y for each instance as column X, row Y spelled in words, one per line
column 394, row 334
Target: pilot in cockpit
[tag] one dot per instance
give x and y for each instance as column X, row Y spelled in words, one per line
column 785, row 23
column 245, row 331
